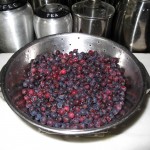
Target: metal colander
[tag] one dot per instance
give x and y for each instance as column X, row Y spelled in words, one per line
column 13, row 72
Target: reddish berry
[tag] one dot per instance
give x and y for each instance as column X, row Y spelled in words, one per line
column 91, row 52
column 24, row 91
column 54, row 68
column 66, row 108
column 31, row 92
column 21, row 103
column 74, row 92
column 71, row 115
column 63, row 71
column 47, row 95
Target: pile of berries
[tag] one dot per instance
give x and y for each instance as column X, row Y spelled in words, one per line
column 75, row 90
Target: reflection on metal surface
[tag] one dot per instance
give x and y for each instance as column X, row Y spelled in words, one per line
column 132, row 25
column 38, row 3
column 16, row 28
column 60, row 22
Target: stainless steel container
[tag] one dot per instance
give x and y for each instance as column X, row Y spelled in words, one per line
column 112, row 2
column 132, row 25
column 38, row 3
column 93, row 17
column 52, row 19
column 16, row 25
column 69, row 3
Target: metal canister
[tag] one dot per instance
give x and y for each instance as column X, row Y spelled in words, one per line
column 93, row 17
column 16, row 25
column 112, row 2
column 51, row 19
column 69, row 3
column 132, row 25
column 39, row 3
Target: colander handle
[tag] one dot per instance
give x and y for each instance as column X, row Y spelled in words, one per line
column 147, row 78
column 148, row 81
column 0, row 81
column 1, row 96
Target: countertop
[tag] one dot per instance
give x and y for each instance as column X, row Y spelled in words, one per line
column 16, row 134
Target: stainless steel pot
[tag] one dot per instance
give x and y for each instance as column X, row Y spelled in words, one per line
column 52, row 19
column 13, row 73
column 16, row 25
column 132, row 25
